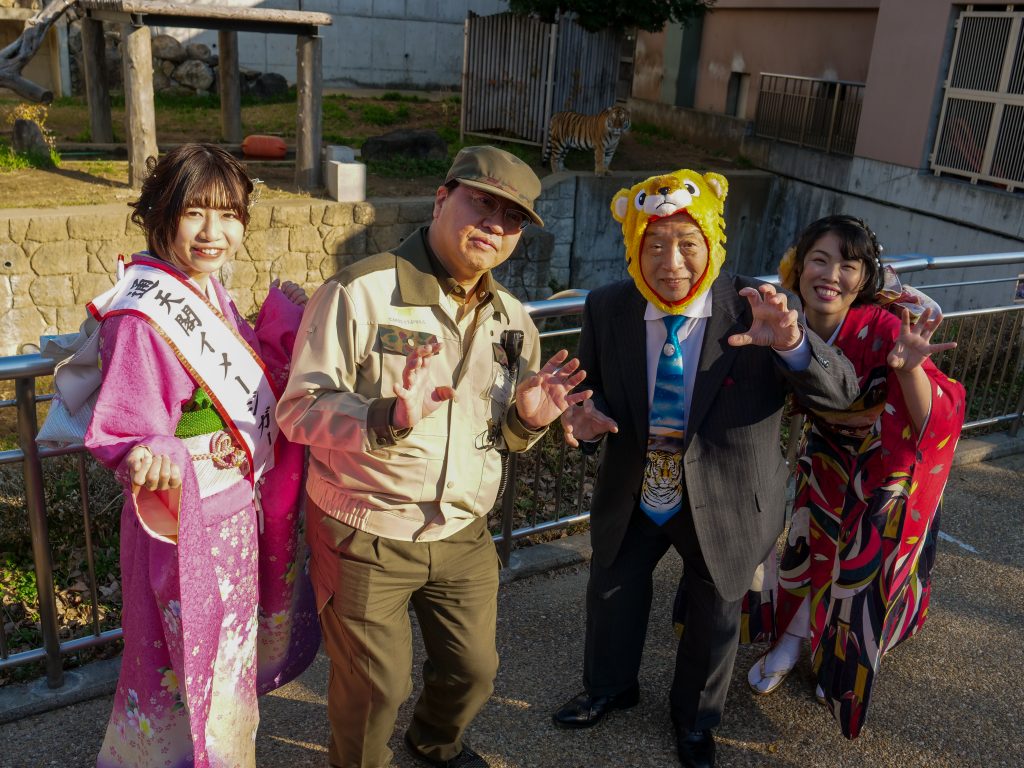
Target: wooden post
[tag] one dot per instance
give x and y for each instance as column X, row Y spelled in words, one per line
column 139, row 118
column 230, row 87
column 97, row 95
column 309, row 115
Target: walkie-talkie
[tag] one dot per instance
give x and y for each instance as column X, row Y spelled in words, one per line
column 512, row 345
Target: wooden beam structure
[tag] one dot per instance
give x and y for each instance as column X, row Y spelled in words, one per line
column 139, row 15
column 97, row 95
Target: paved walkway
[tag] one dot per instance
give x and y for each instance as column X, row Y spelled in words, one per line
column 950, row 697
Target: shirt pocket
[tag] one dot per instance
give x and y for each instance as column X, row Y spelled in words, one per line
column 395, row 344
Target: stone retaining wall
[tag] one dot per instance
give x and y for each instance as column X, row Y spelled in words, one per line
column 52, row 262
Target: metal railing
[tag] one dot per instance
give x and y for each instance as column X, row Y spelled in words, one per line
column 820, row 114
column 518, row 70
column 548, row 488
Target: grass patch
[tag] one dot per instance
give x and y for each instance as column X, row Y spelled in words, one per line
column 396, row 96
column 17, row 161
column 377, row 114
column 404, row 167
column 652, row 130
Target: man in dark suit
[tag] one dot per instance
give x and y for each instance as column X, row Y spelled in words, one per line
column 689, row 371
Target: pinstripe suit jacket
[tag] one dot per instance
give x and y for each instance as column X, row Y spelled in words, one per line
column 735, row 473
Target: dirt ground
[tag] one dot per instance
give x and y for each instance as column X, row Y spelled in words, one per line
column 94, row 182
column 88, row 176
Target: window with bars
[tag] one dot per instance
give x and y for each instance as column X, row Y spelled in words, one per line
column 980, row 134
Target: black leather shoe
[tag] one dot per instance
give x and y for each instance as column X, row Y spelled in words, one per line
column 467, row 758
column 585, row 710
column 696, row 748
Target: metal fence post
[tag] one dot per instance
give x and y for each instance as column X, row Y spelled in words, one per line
column 1020, row 414
column 832, row 119
column 25, row 389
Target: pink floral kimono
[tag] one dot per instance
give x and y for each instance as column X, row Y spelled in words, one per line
column 227, row 612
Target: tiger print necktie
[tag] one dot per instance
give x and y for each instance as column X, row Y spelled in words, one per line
column 662, row 494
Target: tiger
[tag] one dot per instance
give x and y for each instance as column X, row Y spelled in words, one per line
column 663, row 481
column 571, row 130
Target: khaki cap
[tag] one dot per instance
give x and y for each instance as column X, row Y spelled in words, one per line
column 500, row 173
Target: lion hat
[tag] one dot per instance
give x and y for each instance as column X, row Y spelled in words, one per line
column 701, row 196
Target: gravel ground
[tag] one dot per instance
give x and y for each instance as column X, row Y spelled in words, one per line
column 949, row 697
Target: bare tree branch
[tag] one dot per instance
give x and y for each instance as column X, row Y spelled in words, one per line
column 15, row 56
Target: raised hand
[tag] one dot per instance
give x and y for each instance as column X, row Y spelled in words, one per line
column 913, row 345
column 294, row 292
column 585, row 422
column 417, row 395
column 155, row 472
column 541, row 398
column 774, row 324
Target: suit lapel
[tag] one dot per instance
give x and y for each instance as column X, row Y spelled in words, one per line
column 629, row 332
column 716, row 356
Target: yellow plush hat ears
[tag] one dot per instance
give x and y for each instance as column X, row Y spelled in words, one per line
column 702, row 197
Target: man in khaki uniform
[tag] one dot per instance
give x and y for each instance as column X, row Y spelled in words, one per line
column 407, row 385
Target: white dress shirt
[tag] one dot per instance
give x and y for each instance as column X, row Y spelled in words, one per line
column 691, row 339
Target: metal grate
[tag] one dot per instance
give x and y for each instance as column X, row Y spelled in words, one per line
column 518, row 71
column 980, row 134
column 820, row 114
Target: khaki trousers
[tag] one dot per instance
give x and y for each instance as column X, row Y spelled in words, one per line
column 453, row 587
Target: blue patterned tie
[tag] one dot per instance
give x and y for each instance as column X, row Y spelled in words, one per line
column 662, row 493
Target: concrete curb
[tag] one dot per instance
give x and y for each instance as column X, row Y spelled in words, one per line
column 100, row 678
column 987, row 447
column 541, row 558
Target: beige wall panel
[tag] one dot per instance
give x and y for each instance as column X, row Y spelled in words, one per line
column 812, row 42
column 904, row 81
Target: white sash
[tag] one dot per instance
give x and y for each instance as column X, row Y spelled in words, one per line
column 210, row 349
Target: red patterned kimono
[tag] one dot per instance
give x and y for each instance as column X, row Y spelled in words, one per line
column 865, row 521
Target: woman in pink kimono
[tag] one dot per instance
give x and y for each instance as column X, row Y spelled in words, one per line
column 217, row 605
column 855, row 576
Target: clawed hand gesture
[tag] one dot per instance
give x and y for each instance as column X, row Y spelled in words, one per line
column 585, row 422
column 541, row 398
column 417, row 395
column 774, row 324
column 148, row 470
column 913, row 345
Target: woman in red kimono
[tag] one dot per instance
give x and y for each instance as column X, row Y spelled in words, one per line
column 855, row 576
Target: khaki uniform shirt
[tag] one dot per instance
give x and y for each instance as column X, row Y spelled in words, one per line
column 356, row 332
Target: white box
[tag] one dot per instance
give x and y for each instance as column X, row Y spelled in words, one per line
column 346, row 182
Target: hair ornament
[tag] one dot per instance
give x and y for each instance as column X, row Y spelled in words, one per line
column 257, row 192
column 787, row 270
column 896, row 296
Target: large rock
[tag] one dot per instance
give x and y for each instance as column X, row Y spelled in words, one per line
column 268, row 85
column 161, row 81
column 423, row 145
column 193, row 74
column 200, row 51
column 28, row 138
column 169, row 48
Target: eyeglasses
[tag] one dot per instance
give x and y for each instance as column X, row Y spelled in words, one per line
column 512, row 219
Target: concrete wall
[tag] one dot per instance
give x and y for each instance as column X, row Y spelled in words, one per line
column 809, row 38
column 904, row 83
column 912, row 213
column 822, row 43
column 372, row 43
